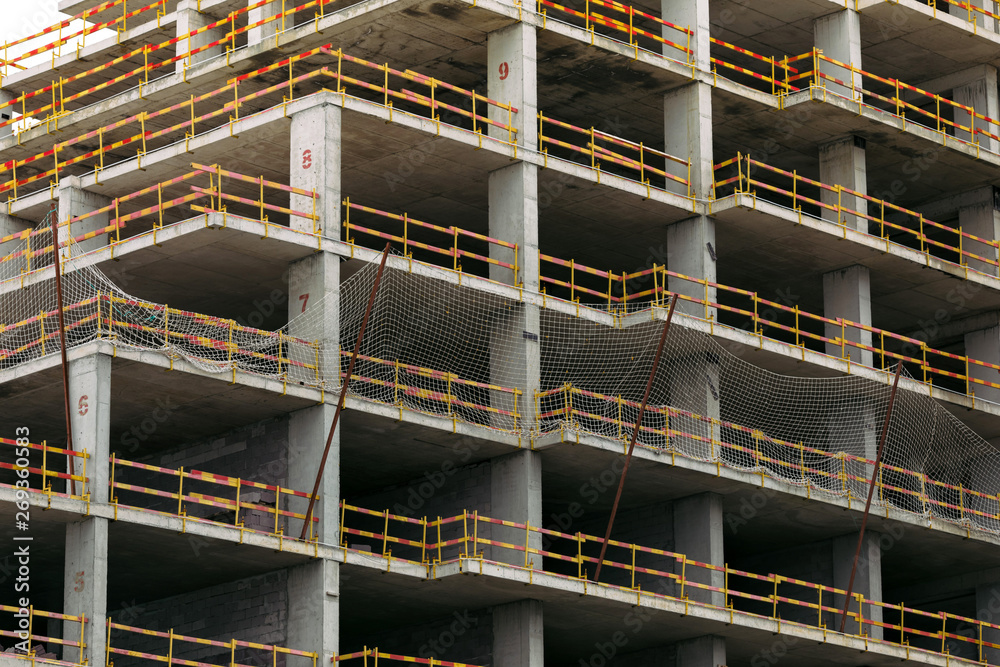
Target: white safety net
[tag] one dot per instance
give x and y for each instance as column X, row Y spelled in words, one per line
column 467, row 355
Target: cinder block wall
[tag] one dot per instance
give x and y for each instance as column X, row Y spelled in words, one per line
column 252, row 609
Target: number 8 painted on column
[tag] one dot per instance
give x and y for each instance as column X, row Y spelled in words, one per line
column 504, row 70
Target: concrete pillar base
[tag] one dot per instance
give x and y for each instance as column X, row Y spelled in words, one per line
column 190, row 19
column 842, row 162
column 518, row 636
column 90, row 401
column 74, row 201
column 85, row 584
column 984, row 345
column 516, row 495
column 316, row 167
column 847, row 295
column 307, row 433
column 839, row 36
column 691, row 251
column 867, row 581
column 981, row 95
column 314, row 608
column 698, row 535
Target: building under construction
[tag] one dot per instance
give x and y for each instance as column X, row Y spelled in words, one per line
column 198, row 195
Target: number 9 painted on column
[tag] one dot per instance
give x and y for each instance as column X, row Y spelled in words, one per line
column 504, row 70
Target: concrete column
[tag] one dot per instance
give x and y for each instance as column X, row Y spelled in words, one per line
column 982, row 220
column 988, row 610
column 74, row 201
column 516, row 495
column 314, row 316
column 698, row 535
column 838, row 35
column 85, row 583
column 984, row 345
column 307, row 433
column 693, row 14
column 691, row 243
column 6, row 113
column 268, row 30
column 10, row 225
column 190, row 19
column 980, row 19
column 512, row 78
column 707, row 651
column 867, row 580
column 842, row 162
column 90, row 417
column 847, row 295
column 981, row 95
column 315, row 166
column 314, row 610
column 518, row 634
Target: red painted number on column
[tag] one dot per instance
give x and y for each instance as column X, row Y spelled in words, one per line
column 304, row 298
column 80, row 585
column 83, row 407
column 504, row 71
column 307, row 159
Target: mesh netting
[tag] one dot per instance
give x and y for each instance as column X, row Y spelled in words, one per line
column 446, row 349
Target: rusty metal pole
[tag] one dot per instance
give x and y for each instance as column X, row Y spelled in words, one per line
column 343, row 391
column 54, row 218
column 635, row 435
column 871, row 490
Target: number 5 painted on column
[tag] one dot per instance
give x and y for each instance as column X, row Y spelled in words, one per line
column 304, row 298
column 80, row 585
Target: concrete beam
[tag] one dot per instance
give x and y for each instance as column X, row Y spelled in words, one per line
column 90, row 419
column 518, row 637
column 839, row 37
column 85, row 588
column 316, row 167
column 698, row 534
column 511, row 54
column 516, row 495
column 847, row 295
column 842, row 162
column 74, row 201
column 190, row 19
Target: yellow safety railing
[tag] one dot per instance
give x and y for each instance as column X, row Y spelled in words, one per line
column 845, row 206
column 655, row 573
column 743, row 448
column 119, row 23
column 176, row 644
column 408, row 243
column 27, row 620
column 603, row 148
column 255, row 506
column 643, row 29
column 38, row 241
column 441, row 95
column 448, row 392
column 896, row 97
column 376, row 655
column 55, row 463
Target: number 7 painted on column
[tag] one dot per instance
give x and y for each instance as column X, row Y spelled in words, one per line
column 304, row 298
